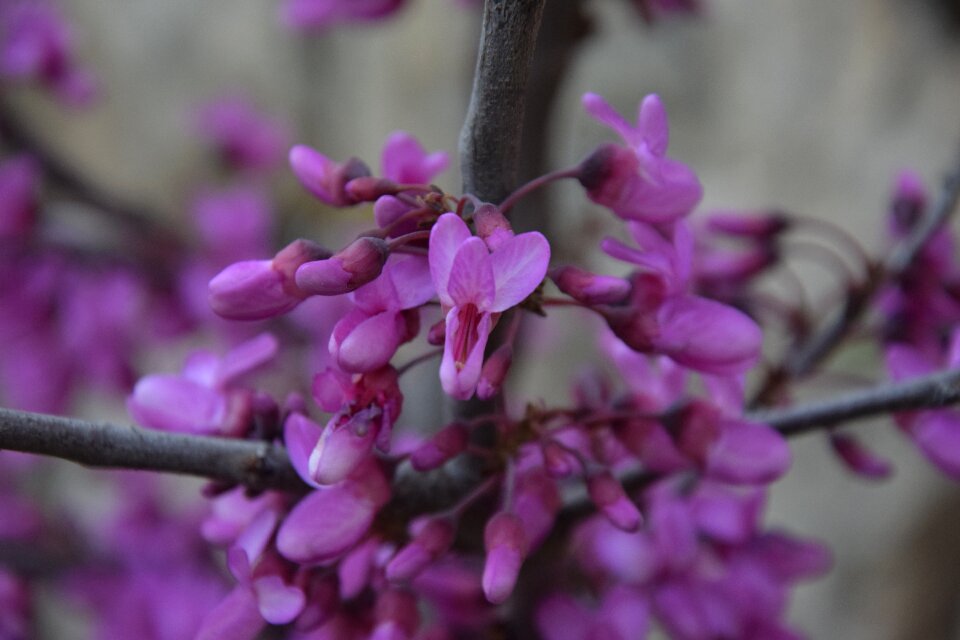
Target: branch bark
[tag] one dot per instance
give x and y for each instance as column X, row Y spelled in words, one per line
column 490, row 138
column 804, row 358
column 257, row 465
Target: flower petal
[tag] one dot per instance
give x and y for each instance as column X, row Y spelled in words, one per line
column 461, row 382
column 370, row 344
column 519, row 266
column 653, row 125
column 601, row 111
column 447, row 235
column 471, row 276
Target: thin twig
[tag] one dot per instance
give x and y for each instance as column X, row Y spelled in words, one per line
column 257, row 465
column 803, row 359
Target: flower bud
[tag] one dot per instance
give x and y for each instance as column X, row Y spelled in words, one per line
column 325, row 178
column 445, row 444
column 494, row 372
column 590, row 288
column 556, row 460
column 858, row 458
column 370, row 188
column 607, row 493
column 350, row 268
column 396, row 616
column 760, row 226
column 343, row 447
column 437, row 334
column 506, row 547
column 492, row 226
column 259, row 289
column 432, row 539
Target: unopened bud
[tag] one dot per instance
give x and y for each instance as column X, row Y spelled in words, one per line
column 494, row 372
column 369, row 188
column 444, row 445
column 607, row 493
column 556, row 460
column 506, row 546
column 492, row 226
column 760, row 226
column 590, row 288
column 437, row 334
column 396, row 615
column 259, row 289
column 325, row 178
column 432, row 539
column 350, row 268
column 858, row 458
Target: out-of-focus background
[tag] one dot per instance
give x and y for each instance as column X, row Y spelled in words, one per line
column 812, row 106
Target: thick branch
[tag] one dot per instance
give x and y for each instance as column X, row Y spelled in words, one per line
column 929, row 392
column 490, row 138
column 100, row 444
column 803, row 359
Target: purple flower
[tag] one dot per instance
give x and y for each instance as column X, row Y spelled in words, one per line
column 204, row 397
column 350, row 268
column 242, row 136
column 475, row 286
column 405, row 161
column 19, row 182
column 320, row 14
column 506, row 546
column 638, row 182
column 259, row 289
column 385, row 315
column 323, row 177
column 37, row 45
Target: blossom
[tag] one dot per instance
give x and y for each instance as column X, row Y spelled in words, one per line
column 639, row 181
column 404, row 160
column 324, row 178
column 384, row 315
column 475, row 285
column 242, row 136
column 320, row 14
column 204, row 397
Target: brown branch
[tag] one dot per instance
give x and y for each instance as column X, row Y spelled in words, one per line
column 257, row 465
column 803, row 358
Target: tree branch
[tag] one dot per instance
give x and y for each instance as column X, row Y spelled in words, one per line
column 257, row 465
column 928, row 392
column 803, row 358
column 490, row 138
column 154, row 240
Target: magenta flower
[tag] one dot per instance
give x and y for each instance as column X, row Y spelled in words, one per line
column 19, row 182
column 385, row 315
column 320, row 14
column 404, row 160
column 638, row 182
column 355, row 265
column 242, row 136
column 324, row 178
column 475, row 286
column 204, row 397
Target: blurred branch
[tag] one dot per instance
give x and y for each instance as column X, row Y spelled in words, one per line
column 154, row 241
column 804, row 357
column 257, row 465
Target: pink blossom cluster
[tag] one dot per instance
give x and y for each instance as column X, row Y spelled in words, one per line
column 341, row 561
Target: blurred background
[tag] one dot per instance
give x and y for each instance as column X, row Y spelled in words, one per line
column 809, row 106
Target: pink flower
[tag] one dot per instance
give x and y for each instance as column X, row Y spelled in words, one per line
column 320, row 14
column 638, row 182
column 404, row 160
column 385, row 315
column 243, row 137
column 323, row 177
column 204, row 398
column 475, row 286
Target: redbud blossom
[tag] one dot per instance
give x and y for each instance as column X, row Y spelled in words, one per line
column 761, row 226
column 19, row 179
column 476, row 285
column 859, row 458
column 506, row 546
column 494, row 372
column 638, row 182
column 259, row 289
column 404, row 160
column 607, row 493
column 325, row 178
column 432, row 538
column 589, row 288
column 348, row 269
column 442, row 446
column 396, row 616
